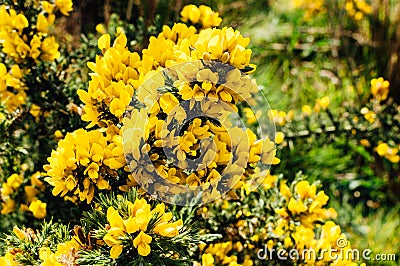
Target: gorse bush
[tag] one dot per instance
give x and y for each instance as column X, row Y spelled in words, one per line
column 159, row 156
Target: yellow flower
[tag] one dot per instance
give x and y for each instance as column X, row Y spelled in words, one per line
column 65, row 6
column 279, row 117
column 190, row 12
column 38, row 208
column 311, row 7
column 20, row 22
column 365, row 143
column 279, row 137
column 323, row 102
column 14, row 181
column 35, row 110
column 285, row 190
column 296, row 206
column 370, row 116
column 207, row 259
column 306, row 109
column 141, row 242
column 115, row 251
column 8, row 260
column 92, row 170
column 8, row 206
column 43, row 23
column 380, row 88
column 209, row 18
column 58, row 134
column 100, row 29
column 168, row 229
column 30, row 193
column 168, row 102
column 20, row 233
column 389, row 153
column 48, row 7
column 305, row 190
column 49, row 49
column 202, row 14
column 251, row 116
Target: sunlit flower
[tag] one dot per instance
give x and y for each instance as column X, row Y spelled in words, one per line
column 380, row 88
column 38, row 208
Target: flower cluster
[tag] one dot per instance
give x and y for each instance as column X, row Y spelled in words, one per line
column 284, row 218
column 390, row 153
column 186, row 135
column 357, row 8
column 12, row 190
column 135, row 226
column 7, row 189
column 330, row 238
column 118, row 72
column 219, row 254
column 26, row 40
column 191, row 86
column 202, row 15
column 280, row 117
column 21, row 41
column 305, row 203
column 312, row 7
column 12, row 89
column 65, row 253
column 112, row 84
column 51, row 245
column 380, row 88
column 83, row 162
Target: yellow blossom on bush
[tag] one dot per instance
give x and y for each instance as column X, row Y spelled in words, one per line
column 357, row 8
column 89, row 154
column 279, row 137
column 135, row 223
column 65, row 6
column 34, row 42
column 380, row 88
column 203, row 15
column 323, row 102
column 38, row 208
column 306, row 110
column 141, row 242
column 311, row 7
column 389, row 153
column 12, row 89
column 369, row 115
column 279, row 117
column 8, row 260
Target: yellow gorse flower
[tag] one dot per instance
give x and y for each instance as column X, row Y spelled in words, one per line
column 65, row 6
column 311, row 7
column 119, row 72
column 88, row 153
column 135, row 224
column 390, row 153
column 22, row 40
column 36, row 42
column 12, row 89
column 357, row 8
column 38, row 208
column 305, row 202
column 380, row 88
column 141, row 242
column 202, row 15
